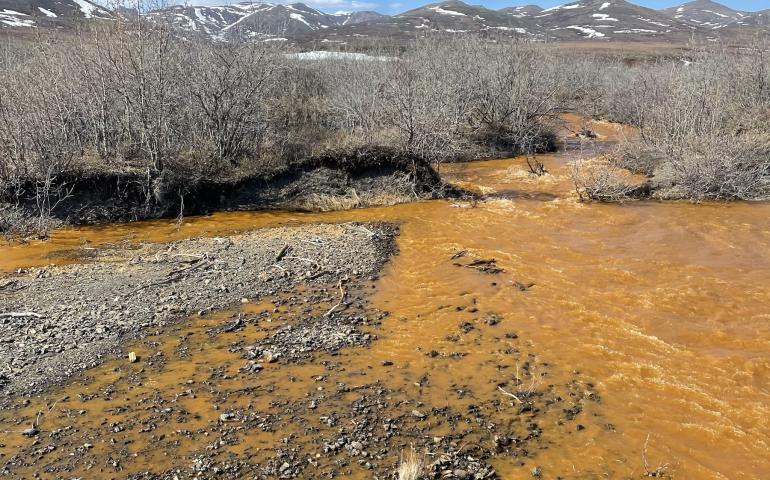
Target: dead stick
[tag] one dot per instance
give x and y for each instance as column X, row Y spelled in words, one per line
column 509, row 394
column 342, row 297
column 20, row 315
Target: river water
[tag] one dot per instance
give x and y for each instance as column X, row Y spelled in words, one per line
column 665, row 307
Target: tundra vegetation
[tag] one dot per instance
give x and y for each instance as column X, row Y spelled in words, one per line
column 139, row 99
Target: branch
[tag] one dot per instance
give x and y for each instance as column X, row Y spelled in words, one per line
column 509, row 394
column 342, row 297
column 20, row 315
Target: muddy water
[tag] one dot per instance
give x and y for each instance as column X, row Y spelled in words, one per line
column 665, row 307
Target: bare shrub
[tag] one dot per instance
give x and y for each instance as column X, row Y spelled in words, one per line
column 600, row 180
column 700, row 137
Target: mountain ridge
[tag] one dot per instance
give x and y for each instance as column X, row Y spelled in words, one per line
column 603, row 20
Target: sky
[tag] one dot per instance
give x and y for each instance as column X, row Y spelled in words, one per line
column 391, row 7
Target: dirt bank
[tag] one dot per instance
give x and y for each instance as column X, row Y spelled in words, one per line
column 55, row 322
column 334, row 181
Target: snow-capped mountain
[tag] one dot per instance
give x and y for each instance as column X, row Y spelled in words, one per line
column 35, row 13
column 256, row 20
column 607, row 19
column 706, row 13
column 458, row 17
column 603, row 20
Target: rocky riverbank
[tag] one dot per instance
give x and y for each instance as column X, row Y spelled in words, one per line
column 60, row 320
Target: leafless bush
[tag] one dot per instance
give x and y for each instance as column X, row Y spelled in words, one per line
column 700, row 121
column 600, row 180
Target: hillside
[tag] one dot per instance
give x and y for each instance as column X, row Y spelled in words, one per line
column 602, row 20
column 608, row 19
column 48, row 13
column 706, row 13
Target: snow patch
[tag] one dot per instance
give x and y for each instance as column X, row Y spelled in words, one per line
column 715, row 13
column 652, row 22
column 299, row 17
column 562, row 7
column 47, row 13
column 13, row 13
column 635, row 30
column 605, row 5
column 88, row 9
column 322, row 55
column 11, row 18
column 511, row 29
column 447, row 12
column 589, row 32
column 603, row 17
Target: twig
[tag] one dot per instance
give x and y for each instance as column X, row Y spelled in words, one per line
column 9, row 284
column 362, row 228
column 509, row 394
column 317, row 265
column 173, row 275
column 282, row 253
column 342, row 297
column 316, row 242
column 20, row 315
column 40, row 412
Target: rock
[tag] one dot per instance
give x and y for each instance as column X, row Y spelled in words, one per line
column 132, row 357
column 537, row 472
column 387, row 363
column 30, row 432
column 251, row 367
column 461, row 474
column 419, row 414
column 271, row 357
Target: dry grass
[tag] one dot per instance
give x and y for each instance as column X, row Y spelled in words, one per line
column 331, row 203
column 410, row 466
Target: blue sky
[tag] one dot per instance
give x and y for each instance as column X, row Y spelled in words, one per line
column 398, row 6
